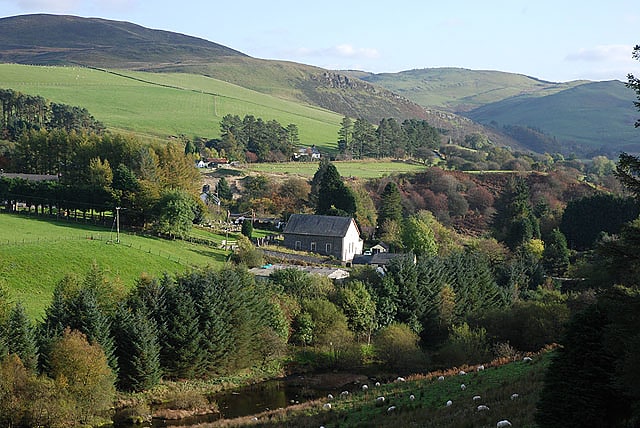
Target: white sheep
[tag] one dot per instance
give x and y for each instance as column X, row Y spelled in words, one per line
column 482, row 407
column 344, row 393
column 391, row 409
column 330, row 396
column 412, row 397
column 440, row 378
column 514, row 396
column 503, row 424
column 476, row 397
column 527, row 359
column 380, row 400
column 462, row 373
column 365, row 387
column 449, row 403
column 327, row 406
column 377, row 384
column 400, row 379
column 463, row 387
column 480, row 368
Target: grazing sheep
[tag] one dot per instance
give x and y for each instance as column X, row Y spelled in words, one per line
column 391, row 409
column 327, row 406
column 330, row 396
column 380, row 400
column 440, row 378
column 463, row 387
column 482, row 407
column 480, row 368
column 254, row 419
column 514, row 396
column 377, row 384
column 527, row 359
column 476, row 397
column 449, row 403
column 365, row 388
column 400, row 379
column 462, row 373
column 503, row 424
column 344, row 393
column 412, row 397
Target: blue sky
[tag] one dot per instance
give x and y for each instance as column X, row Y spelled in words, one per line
column 556, row 40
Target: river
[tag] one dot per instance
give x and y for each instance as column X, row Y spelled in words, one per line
column 268, row 395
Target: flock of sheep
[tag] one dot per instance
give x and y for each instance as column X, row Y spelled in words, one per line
column 381, row 399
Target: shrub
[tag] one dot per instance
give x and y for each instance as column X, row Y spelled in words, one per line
column 397, row 346
column 465, row 346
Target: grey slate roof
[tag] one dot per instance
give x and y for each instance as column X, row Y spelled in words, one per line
column 317, row 225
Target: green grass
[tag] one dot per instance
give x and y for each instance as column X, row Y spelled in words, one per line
column 359, row 169
column 157, row 105
column 494, row 385
column 36, row 254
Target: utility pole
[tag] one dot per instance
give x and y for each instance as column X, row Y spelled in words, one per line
column 117, row 225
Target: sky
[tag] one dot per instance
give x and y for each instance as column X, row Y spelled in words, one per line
column 558, row 41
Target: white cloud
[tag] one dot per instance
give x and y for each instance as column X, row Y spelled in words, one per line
column 603, row 53
column 342, row 51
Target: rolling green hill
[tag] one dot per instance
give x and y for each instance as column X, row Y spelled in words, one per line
column 459, row 89
column 585, row 117
column 192, row 83
column 158, row 105
column 596, row 118
column 36, row 254
column 68, row 40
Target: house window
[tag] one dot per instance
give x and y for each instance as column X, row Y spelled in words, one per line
column 298, row 245
column 313, row 246
column 328, row 248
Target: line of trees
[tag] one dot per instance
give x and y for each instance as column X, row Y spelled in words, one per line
column 21, row 112
column 413, row 138
column 255, row 140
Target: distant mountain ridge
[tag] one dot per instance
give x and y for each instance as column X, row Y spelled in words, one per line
column 59, row 39
column 457, row 100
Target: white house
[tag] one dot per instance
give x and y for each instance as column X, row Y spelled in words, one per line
column 338, row 237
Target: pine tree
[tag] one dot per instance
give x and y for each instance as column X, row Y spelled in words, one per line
column 514, row 222
column 89, row 319
column 181, row 353
column 334, row 198
column 137, row 349
column 21, row 337
column 390, row 204
column 555, row 257
column 223, row 190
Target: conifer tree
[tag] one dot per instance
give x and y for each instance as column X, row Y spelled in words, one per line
column 555, row 256
column 181, row 354
column 334, row 197
column 21, row 338
column 390, row 204
column 137, row 349
column 88, row 318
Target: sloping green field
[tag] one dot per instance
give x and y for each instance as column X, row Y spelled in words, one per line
column 36, row 254
column 157, row 105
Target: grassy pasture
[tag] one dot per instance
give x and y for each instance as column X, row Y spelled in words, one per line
column 36, row 254
column 494, row 385
column 155, row 105
column 359, row 169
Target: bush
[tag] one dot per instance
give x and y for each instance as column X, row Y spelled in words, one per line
column 465, row 346
column 528, row 326
column 397, row 346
